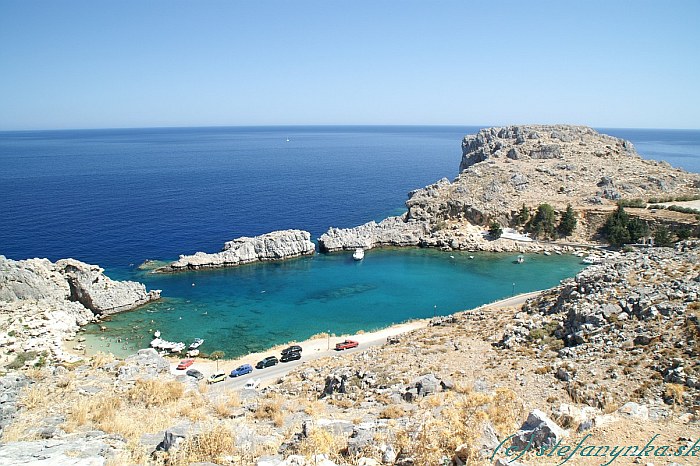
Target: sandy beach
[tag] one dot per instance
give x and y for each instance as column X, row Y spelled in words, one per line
column 319, row 347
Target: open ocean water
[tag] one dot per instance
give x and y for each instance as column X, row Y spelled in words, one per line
column 118, row 197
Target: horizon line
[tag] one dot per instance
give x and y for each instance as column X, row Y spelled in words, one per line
column 330, row 125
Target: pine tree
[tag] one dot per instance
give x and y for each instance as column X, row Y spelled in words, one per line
column 543, row 221
column 568, row 221
column 495, row 230
column 523, row 215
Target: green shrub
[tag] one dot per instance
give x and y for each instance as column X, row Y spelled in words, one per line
column 21, row 359
column 684, row 210
column 495, row 230
column 662, row 237
column 631, row 203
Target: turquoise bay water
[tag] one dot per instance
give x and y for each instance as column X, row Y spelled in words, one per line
column 254, row 307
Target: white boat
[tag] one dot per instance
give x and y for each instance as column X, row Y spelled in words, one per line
column 157, row 334
column 547, row 253
column 359, row 254
column 521, row 259
column 196, row 343
column 177, row 347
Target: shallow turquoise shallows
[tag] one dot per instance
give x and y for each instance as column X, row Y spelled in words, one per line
column 253, row 307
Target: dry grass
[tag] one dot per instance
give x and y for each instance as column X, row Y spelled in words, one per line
column 33, row 397
column 322, row 442
column 461, row 421
column 392, row 412
column 155, row 392
column 100, row 360
column 675, row 392
column 209, row 446
column 225, row 401
column 271, row 409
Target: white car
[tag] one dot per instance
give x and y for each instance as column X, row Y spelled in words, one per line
column 252, row 384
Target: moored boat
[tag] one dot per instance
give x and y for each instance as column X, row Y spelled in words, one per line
column 359, row 254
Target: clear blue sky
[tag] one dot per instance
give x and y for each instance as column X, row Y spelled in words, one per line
column 92, row 64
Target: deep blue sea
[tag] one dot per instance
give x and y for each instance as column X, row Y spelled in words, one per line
column 118, row 197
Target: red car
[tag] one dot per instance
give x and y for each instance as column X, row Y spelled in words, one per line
column 184, row 364
column 347, row 344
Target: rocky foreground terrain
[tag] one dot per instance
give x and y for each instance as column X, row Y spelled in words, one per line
column 44, row 302
column 503, row 169
column 276, row 245
column 609, row 357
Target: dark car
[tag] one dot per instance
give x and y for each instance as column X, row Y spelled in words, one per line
column 267, row 362
column 195, row 373
column 242, row 370
column 291, row 356
column 292, row 349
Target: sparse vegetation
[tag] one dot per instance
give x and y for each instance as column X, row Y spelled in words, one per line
column 495, row 230
column 639, row 203
column 523, row 215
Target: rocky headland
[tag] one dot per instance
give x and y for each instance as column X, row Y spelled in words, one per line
column 503, row 169
column 276, row 245
column 44, row 302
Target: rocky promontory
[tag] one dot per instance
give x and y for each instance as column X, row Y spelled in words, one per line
column 503, row 169
column 276, row 245
column 42, row 302
column 393, row 231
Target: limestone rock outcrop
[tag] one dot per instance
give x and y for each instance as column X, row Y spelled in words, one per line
column 393, row 231
column 70, row 280
column 276, row 245
column 503, row 168
column 42, row 302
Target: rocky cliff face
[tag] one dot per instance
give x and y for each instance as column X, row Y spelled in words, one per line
column 502, row 168
column 277, row 245
column 42, row 302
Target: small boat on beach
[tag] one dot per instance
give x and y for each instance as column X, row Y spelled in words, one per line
column 359, row 254
column 196, row 343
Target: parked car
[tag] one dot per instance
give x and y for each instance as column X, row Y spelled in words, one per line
column 292, row 349
column 347, row 344
column 184, row 364
column 291, row 356
column 242, row 370
column 218, row 377
column 267, row 362
column 195, row 373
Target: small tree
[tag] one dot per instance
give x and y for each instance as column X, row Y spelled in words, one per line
column 637, row 229
column 683, row 233
column 568, row 221
column 523, row 215
column 495, row 230
column 662, row 237
column 615, row 227
column 216, row 355
column 543, row 221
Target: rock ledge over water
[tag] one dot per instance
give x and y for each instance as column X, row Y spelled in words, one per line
column 276, row 245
